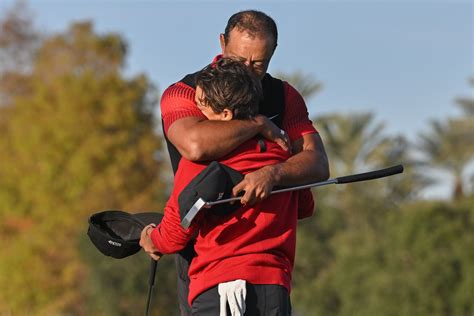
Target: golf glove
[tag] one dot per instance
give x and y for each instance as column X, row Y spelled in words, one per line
column 232, row 293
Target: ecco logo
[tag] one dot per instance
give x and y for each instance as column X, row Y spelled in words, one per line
column 114, row 243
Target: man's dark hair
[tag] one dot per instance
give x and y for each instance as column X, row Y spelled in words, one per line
column 254, row 22
column 229, row 84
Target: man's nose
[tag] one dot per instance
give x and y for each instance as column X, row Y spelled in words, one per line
column 249, row 65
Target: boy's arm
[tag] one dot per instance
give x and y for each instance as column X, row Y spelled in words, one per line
column 169, row 237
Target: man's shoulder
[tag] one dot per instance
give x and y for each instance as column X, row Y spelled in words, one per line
column 269, row 80
column 186, row 84
column 178, row 89
column 190, row 79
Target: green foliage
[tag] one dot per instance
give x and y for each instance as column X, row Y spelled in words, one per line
column 80, row 141
column 417, row 263
column 369, row 250
column 120, row 287
column 448, row 144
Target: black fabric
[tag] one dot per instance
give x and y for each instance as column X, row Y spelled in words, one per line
column 175, row 156
column 182, row 262
column 213, row 183
column 261, row 300
column 190, row 80
column 273, row 104
column 116, row 233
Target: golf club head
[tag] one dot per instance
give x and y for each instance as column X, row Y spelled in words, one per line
column 193, row 211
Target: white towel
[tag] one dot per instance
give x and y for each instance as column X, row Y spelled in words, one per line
column 233, row 293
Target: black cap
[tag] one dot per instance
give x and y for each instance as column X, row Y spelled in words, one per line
column 117, row 233
column 212, row 184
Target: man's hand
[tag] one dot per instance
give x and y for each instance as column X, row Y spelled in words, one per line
column 147, row 244
column 273, row 133
column 308, row 164
column 257, row 185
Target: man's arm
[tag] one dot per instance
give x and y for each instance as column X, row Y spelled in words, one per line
column 199, row 139
column 309, row 164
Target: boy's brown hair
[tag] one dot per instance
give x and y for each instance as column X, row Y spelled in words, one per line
column 228, row 84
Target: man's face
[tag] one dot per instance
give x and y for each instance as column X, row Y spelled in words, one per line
column 255, row 52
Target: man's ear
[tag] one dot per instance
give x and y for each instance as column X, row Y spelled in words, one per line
column 227, row 115
column 222, row 41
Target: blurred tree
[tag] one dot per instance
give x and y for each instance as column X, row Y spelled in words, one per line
column 19, row 42
column 352, row 141
column 418, row 266
column 355, row 143
column 80, row 141
column 18, row 39
column 448, row 145
column 467, row 103
column 304, row 83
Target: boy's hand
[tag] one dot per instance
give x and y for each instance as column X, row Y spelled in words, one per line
column 147, row 244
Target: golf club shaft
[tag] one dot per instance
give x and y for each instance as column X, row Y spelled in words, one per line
column 151, row 283
column 381, row 173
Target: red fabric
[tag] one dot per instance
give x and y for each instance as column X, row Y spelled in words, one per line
column 178, row 102
column 305, row 204
column 296, row 120
column 254, row 243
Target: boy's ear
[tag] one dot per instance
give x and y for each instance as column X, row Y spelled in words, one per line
column 227, row 115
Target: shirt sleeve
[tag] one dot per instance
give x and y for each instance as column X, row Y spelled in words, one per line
column 296, row 120
column 305, row 203
column 169, row 237
column 178, row 102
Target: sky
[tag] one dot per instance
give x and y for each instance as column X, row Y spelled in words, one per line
column 405, row 61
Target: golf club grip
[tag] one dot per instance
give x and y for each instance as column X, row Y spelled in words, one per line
column 371, row 175
column 153, row 265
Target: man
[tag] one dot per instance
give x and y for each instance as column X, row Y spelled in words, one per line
column 253, row 247
column 251, row 37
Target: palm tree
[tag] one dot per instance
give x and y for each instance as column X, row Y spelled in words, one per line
column 355, row 142
column 352, row 140
column 306, row 85
column 448, row 144
column 467, row 103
